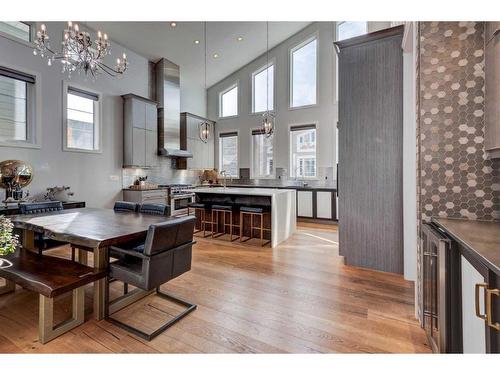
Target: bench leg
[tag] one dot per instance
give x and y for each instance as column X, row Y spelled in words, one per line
column 46, row 329
column 8, row 287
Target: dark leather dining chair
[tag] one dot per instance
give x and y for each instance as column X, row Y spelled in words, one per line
column 43, row 243
column 155, row 209
column 165, row 255
column 122, row 206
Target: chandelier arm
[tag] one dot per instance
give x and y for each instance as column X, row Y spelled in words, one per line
column 109, row 70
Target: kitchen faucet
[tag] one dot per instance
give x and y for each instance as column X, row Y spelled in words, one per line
column 297, row 177
column 224, row 176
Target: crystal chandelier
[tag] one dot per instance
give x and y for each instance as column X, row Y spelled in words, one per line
column 78, row 52
column 268, row 117
column 204, row 126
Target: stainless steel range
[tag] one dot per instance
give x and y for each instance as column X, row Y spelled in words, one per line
column 179, row 197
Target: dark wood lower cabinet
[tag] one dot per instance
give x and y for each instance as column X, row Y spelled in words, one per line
column 456, row 286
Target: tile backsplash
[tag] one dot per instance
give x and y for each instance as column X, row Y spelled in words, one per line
column 457, row 179
column 163, row 173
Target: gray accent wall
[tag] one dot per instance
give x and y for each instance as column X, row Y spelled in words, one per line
column 94, row 178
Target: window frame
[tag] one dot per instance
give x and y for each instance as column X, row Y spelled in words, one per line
column 225, row 91
column 252, row 173
column 272, row 62
column 291, row 50
column 292, row 173
column 32, row 33
column 97, row 118
column 338, row 23
column 33, row 112
column 219, row 162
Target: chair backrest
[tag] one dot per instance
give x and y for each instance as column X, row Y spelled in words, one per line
column 40, row 207
column 155, row 209
column 123, row 206
column 169, row 235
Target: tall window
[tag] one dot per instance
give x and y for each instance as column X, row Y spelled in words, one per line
column 228, row 100
column 16, row 107
column 82, row 125
column 263, row 89
column 303, row 73
column 262, row 155
column 350, row 29
column 228, row 154
column 17, row 29
column 303, row 151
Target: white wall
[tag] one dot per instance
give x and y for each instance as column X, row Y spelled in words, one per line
column 94, row 178
column 324, row 114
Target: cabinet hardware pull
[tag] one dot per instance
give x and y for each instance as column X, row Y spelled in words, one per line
column 489, row 313
column 478, row 287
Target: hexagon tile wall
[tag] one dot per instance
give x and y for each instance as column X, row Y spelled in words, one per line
column 456, row 180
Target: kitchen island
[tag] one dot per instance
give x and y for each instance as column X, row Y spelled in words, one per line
column 282, row 203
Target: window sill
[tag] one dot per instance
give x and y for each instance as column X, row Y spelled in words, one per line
column 81, row 150
column 228, row 117
column 303, row 107
column 20, row 145
column 17, row 40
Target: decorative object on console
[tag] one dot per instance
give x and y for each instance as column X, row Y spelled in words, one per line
column 14, row 175
column 59, row 193
column 268, row 117
column 140, row 180
column 204, row 126
column 79, row 53
column 9, row 241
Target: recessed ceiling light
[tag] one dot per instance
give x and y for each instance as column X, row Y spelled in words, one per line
column 239, row 39
column 215, row 55
column 196, row 41
column 173, row 24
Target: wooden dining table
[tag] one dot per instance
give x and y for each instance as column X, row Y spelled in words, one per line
column 90, row 230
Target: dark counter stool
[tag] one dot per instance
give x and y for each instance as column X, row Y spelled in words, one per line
column 226, row 210
column 262, row 213
column 203, row 209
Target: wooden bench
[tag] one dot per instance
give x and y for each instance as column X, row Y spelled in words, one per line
column 50, row 277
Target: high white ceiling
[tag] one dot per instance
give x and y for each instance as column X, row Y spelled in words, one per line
column 154, row 40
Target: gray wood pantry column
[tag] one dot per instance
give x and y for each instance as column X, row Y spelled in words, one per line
column 371, row 150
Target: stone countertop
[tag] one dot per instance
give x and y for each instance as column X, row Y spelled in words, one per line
column 480, row 237
column 242, row 191
column 293, row 187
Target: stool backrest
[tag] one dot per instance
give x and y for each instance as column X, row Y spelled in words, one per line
column 122, row 206
column 155, row 209
column 169, row 235
column 40, row 207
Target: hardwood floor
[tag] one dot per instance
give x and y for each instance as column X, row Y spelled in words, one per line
column 297, row 298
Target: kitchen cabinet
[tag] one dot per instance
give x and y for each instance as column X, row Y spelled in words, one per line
column 305, row 203
column 471, row 287
column 492, row 89
column 203, row 152
column 139, row 132
column 146, row 196
column 316, row 203
column 473, row 332
column 324, row 201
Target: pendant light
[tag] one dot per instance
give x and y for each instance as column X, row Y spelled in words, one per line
column 268, row 117
column 204, row 126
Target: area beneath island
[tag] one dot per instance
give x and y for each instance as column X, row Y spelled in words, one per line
column 282, row 203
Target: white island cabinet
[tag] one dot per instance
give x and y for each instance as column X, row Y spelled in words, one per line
column 283, row 208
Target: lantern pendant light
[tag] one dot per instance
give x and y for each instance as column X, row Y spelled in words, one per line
column 268, row 117
column 204, row 127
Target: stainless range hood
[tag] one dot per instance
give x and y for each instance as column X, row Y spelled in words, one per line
column 168, row 96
